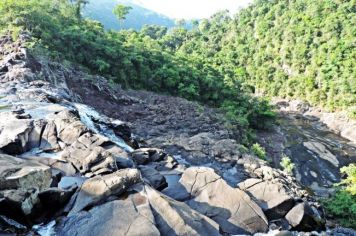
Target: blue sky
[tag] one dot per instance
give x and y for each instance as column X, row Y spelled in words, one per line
column 190, row 9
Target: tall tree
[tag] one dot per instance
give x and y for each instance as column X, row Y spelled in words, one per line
column 121, row 12
column 79, row 5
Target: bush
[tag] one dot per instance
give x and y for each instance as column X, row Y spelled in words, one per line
column 259, row 151
column 342, row 205
column 287, row 164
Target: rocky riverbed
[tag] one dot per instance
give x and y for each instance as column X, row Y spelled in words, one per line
column 316, row 150
column 80, row 157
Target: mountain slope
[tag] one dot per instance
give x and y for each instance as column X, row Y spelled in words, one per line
column 101, row 10
column 287, row 48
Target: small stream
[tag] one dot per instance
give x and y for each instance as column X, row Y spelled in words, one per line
column 317, row 152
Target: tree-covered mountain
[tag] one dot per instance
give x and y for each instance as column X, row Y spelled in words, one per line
column 101, row 10
column 296, row 49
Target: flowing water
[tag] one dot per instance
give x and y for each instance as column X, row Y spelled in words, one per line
column 89, row 115
column 318, row 153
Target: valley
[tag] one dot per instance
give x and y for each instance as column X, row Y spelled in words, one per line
column 240, row 125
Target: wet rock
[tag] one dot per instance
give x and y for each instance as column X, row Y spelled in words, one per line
column 121, row 129
column 232, row 208
column 271, row 197
column 131, row 216
column 18, row 173
column 177, row 218
column 70, row 129
column 97, row 189
column 304, row 217
column 153, row 177
column 322, row 152
column 49, row 139
column 10, row 226
column 145, row 155
column 87, row 155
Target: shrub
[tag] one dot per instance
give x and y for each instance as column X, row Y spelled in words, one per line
column 287, row 164
column 259, row 151
column 342, row 205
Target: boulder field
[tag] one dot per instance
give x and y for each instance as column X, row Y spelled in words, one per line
column 69, row 165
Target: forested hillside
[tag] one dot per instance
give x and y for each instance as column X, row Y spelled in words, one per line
column 132, row 59
column 299, row 49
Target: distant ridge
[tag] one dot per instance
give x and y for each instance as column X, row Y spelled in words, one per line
column 101, row 10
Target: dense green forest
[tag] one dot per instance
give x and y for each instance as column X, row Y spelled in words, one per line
column 294, row 48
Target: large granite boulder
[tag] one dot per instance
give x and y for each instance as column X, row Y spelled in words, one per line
column 18, row 173
column 153, row 177
column 177, row 218
column 131, row 217
column 272, row 197
column 14, row 135
column 304, row 217
column 145, row 155
column 88, row 155
column 20, row 183
column 231, row 207
column 98, row 189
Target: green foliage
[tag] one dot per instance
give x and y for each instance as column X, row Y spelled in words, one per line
column 287, row 164
column 121, row 11
column 343, row 204
column 343, row 207
column 243, row 149
column 350, row 181
column 287, row 48
column 155, row 58
column 259, row 151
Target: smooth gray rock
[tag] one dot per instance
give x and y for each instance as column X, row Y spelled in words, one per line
column 14, row 135
column 177, row 218
column 232, row 208
column 130, row 217
column 304, row 217
column 322, row 152
column 97, row 189
column 272, row 197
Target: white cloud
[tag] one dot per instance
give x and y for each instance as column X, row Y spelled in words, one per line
column 190, row 9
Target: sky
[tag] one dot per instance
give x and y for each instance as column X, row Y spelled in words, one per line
column 192, row 9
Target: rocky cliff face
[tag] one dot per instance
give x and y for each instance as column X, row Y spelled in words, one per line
column 90, row 159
